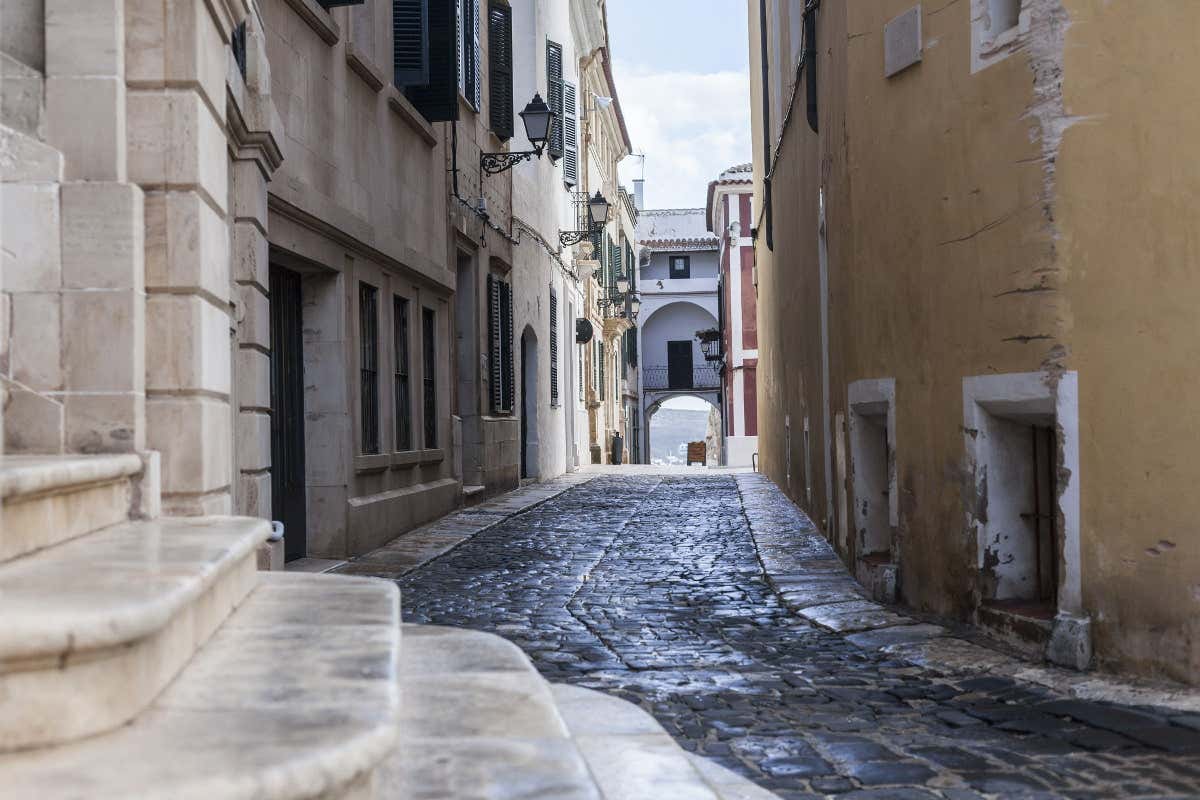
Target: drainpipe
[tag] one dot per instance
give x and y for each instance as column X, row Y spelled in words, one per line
column 765, row 58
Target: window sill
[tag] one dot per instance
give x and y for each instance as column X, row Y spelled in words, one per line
column 362, row 67
column 376, row 462
column 435, row 456
column 318, row 19
column 406, row 458
column 399, row 103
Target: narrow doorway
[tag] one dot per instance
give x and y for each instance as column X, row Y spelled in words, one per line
column 466, row 369
column 287, row 411
column 529, row 405
column 679, row 365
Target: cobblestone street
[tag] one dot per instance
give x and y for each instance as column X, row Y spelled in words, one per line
column 650, row 588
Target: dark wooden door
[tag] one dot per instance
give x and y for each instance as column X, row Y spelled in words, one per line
column 287, row 411
column 679, row 365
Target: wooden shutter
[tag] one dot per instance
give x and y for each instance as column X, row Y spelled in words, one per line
column 616, row 253
column 554, row 88
column 410, row 42
column 500, row 70
column 475, row 90
column 600, row 359
column 553, row 348
column 437, row 98
column 629, row 259
column 495, row 344
column 631, row 347
column 508, row 385
column 570, row 136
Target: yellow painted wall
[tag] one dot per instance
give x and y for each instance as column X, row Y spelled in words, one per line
column 962, row 241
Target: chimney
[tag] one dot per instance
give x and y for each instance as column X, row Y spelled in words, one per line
column 639, row 188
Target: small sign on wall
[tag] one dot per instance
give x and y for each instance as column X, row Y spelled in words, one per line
column 902, row 42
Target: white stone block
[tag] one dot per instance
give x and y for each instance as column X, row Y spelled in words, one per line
column 187, row 344
column 253, row 441
column 103, row 235
column 902, row 42
column 35, row 357
column 187, row 244
column 254, row 327
column 106, row 423
column 33, row 423
column 94, row 151
column 193, row 434
column 84, row 37
column 104, row 334
column 30, row 232
column 252, row 379
column 251, row 259
column 175, row 140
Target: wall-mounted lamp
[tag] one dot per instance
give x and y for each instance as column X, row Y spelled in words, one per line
column 539, row 124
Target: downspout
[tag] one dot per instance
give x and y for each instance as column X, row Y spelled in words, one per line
column 764, row 58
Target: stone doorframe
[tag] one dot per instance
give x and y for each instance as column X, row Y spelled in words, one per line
column 874, row 398
column 1053, row 395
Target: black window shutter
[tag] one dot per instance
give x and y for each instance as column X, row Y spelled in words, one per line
column 495, row 344
column 554, row 87
column 500, row 77
column 437, row 98
column 600, row 357
column 553, row 348
column 506, row 337
column 476, row 94
column 810, row 66
column 570, row 136
column 410, row 42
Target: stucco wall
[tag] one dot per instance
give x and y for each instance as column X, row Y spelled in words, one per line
column 704, row 265
column 978, row 238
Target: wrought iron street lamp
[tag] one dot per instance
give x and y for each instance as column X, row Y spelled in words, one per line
column 622, row 285
column 539, row 124
column 597, row 217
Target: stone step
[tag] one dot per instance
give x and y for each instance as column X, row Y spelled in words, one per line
column 294, row 697
column 94, row 628
column 45, row 500
column 22, row 106
column 479, row 723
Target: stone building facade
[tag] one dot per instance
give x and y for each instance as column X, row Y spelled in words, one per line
column 971, row 341
column 730, row 213
column 680, row 276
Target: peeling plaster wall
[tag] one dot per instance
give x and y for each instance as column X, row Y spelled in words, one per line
column 1128, row 186
column 1037, row 215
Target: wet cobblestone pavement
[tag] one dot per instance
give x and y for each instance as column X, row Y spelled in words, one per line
column 649, row 588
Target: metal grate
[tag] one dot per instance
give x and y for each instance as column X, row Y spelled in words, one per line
column 429, row 376
column 368, row 366
column 402, row 388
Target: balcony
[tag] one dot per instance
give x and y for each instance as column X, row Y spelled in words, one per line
column 682, row 380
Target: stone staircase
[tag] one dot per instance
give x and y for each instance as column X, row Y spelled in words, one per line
column 145, row 656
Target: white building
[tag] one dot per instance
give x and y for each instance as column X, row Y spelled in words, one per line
column 730, row 218
column 678, row 280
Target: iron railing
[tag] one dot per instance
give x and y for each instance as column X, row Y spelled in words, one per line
column 665, row 378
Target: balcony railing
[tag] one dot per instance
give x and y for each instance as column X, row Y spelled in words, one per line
column 703, row 378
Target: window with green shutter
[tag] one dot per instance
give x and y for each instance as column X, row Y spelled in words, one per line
column 433, row 88
column 553, row 348
column 554, row 90
column 471, row 50
column 500, row 345
column 570, row 136
column 500, row 70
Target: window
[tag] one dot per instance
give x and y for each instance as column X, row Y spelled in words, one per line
column 554, row 88
column 553, row 348
column 1003, row 15
column 402, row 388
column 500, row 71
column 368, row 366
column 423, row 59
column 681, row 267
column 500, row 345
column 995, row 31
column 237, row 43
column 429, row 376
column 570, row 136
column 600, row 362
column 468, row 51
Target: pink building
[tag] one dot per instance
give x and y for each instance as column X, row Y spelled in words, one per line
column 730, row 219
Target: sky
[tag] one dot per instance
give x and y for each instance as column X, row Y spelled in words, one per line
column 682, row 75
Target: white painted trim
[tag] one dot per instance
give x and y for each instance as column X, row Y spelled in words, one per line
column 739, row 403
column 871, row 397
column 1029, row 394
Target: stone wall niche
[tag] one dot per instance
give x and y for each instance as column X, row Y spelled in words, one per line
column 873, row 464
column 1021, row 433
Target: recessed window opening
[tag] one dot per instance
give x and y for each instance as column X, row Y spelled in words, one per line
column 1003, row 15
column 402, row 387
column 870, row 455
column 368, row 365
column 1022, row 552
column 681, row 267
column 429, row 376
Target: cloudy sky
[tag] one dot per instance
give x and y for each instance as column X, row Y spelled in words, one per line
column 682, row 76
